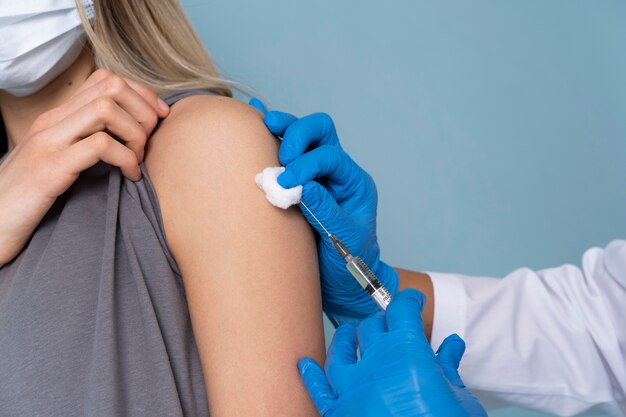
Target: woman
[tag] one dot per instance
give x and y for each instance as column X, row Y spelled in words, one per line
column 111, row 254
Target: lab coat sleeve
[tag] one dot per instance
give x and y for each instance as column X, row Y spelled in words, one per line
column 551, row 340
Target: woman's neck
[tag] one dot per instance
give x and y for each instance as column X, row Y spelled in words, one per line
column 19, row 113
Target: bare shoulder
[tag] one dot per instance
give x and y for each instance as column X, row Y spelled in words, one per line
column 214, row 129
column 203, row 159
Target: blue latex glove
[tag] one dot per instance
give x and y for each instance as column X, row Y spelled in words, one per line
column 343, row 197
column 449, row 356
column 398, row 374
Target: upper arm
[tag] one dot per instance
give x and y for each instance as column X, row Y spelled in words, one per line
column 250, row 270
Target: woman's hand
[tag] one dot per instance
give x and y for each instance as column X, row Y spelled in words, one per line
column 68, row 139
column 343, row 197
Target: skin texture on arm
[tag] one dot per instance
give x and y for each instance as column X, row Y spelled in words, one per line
column 250, row 269
column 421, row 282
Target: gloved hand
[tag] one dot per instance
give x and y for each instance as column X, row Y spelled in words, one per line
column 398, row 374
column 343, row 197
column 449, row 356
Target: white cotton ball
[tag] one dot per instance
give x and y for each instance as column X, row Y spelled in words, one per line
column 267, row 180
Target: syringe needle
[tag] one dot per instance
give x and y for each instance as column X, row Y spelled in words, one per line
column 316, row 219
column 339, row 246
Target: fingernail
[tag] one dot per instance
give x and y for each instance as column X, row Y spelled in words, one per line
column 162, row 104
column 287, row 179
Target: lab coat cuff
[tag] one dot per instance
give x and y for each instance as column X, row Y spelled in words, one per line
column 450, row 307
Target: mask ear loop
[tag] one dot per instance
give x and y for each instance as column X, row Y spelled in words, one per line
column 89, row 12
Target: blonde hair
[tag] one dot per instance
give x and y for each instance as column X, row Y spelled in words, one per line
column 151, row 41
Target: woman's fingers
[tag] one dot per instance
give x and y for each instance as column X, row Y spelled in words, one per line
column 103, row 74
column 136, row 99
column 74, row 136
column 102, row 114
column 151, row 97
column 99, row 147
column 94, row 78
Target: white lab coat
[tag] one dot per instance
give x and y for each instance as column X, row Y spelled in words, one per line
column 552, row 340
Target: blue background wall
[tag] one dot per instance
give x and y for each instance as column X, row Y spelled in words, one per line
column 496, row 131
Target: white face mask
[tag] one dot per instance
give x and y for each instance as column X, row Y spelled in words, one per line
column 39, row 39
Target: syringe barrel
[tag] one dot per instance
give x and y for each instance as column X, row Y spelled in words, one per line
column 368, row 281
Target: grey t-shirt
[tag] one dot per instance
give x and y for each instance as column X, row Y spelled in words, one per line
column 93, row 314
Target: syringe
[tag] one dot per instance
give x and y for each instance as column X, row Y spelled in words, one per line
column 361, row 272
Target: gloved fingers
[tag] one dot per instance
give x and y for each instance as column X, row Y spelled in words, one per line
column 278, row 122
column 323, row 205
column 327, row 161
column 312, row 130
column 404, row 312
column 449, row 355
column 258, row 104
column 370, row 330
column 342, row 350
column 317, row 385
column 451, row 350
